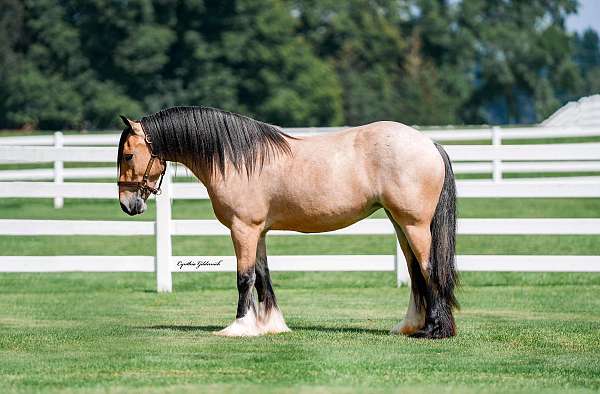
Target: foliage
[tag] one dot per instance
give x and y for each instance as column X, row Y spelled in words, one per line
column 80, row 63
column 587, row 57
column 38, row 100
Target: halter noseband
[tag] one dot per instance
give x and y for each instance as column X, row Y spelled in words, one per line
column 142, row 186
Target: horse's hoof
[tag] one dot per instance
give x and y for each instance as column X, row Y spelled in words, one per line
column 243, row 327
column 236, row 329
column 431, row 331
column 273, row 322
column 404, row 328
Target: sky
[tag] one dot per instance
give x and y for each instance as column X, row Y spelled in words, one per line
column 588, row 16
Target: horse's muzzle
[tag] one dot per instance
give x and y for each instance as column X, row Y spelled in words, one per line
column 133, row 206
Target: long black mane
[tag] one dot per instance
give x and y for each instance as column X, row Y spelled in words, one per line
column 208, row 137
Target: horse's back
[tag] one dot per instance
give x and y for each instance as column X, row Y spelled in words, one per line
column 333, row 180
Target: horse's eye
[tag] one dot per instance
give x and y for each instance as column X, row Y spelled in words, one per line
column 127, row 157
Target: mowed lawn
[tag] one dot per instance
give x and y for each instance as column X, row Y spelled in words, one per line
column 87, row 332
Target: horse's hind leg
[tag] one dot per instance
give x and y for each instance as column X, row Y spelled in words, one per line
column 270, row 319
column 414, row 319
column 439, row 322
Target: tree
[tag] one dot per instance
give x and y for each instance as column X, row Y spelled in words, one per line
column 280, row 78
column 41, row 101
column 41, row 93
column 424, row 94
column 587, row 56
column 358, row 38
column 521, row 58
column 79, row 63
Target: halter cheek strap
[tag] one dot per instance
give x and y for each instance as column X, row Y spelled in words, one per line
column 142, row 186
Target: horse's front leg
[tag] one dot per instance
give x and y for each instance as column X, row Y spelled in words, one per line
column 270, row 318
column 245, row 239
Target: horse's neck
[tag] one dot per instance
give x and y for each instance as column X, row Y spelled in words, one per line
column 200, row 173
column 216, row 180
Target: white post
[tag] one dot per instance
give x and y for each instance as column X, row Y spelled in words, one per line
column 402, row 277
column 58, row 169
column 164, row 283
column 496, row 164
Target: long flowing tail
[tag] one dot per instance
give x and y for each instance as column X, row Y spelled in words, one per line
column 443, row 275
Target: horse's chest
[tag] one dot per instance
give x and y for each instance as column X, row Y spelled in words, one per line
column 245, row 205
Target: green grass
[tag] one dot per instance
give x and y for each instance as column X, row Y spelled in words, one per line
column 110, row 332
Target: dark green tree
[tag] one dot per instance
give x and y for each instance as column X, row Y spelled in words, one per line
column 521, row 58
column 366, row 48
column 587, row 57
column 280, row 78
column 79, row 63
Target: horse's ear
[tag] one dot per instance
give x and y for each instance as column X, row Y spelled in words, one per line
column 128, row 123
column 132, row 125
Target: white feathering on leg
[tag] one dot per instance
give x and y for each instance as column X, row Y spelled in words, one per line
column 413, row 321
column 271, row 321
column 246, row 326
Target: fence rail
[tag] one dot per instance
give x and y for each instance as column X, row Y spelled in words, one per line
column 564, row 187
column 39, row 174
column 495, row 158
column 441, row 134
column 554, row 152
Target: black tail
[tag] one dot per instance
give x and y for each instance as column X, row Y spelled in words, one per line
column 443, row 278
column 443, row 233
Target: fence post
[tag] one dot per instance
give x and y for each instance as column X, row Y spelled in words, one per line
column 58, row 169
column 400, row 267
column 496, row 163
column 164, row 282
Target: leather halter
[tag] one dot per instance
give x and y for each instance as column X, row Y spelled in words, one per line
column 142, row 186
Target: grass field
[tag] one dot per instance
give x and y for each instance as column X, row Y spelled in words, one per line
column 110, row 332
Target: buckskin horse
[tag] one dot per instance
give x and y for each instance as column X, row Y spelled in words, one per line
column 259, row 178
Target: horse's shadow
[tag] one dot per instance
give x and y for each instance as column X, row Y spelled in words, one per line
column 183, row 328
column 315, row 328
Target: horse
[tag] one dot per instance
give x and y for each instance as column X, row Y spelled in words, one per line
column 259, row 178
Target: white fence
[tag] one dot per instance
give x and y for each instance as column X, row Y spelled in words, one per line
column 495, row 135
column 164, row 263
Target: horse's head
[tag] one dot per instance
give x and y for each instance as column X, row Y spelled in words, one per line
column 139, row 168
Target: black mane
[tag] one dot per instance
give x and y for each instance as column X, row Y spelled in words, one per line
column 207, row 137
